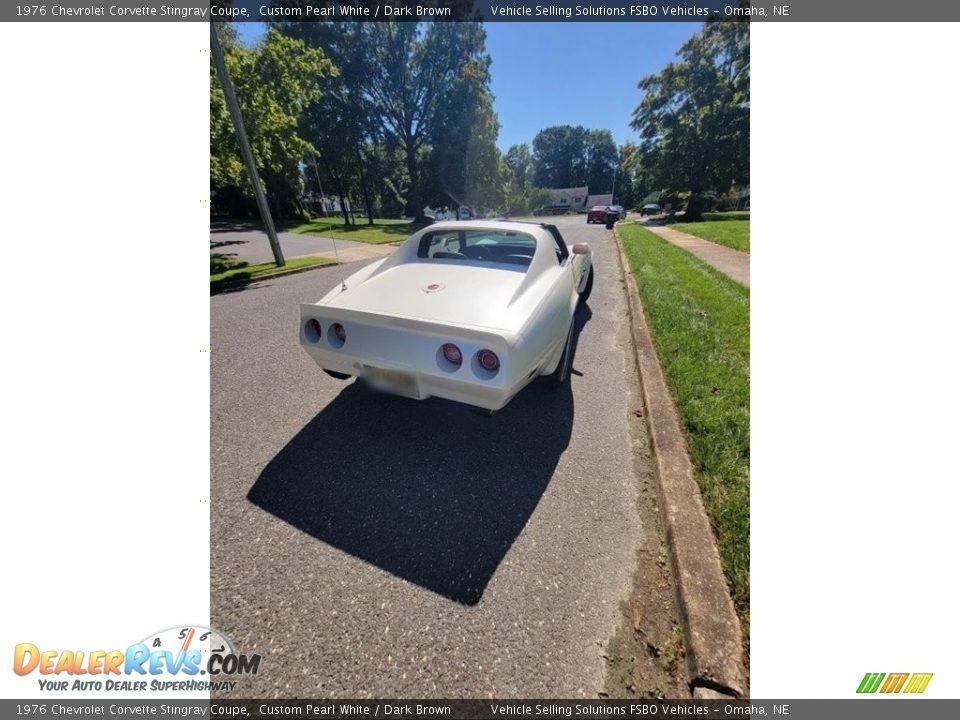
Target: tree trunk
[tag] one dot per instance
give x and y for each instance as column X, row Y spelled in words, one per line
column 343, row 204
column 277, row 215
column 301, row 210
column 413, row 194
column 365, row 188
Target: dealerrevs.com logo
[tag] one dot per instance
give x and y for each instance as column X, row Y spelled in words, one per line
column 180, row 658
column 910, row 683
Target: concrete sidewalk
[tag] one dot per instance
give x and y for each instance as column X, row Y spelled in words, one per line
column 732, row 263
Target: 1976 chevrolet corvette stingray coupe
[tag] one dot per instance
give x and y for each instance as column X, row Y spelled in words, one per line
column 468, row 311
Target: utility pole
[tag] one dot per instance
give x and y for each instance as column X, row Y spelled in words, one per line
column 234, row 108
column 613, row 193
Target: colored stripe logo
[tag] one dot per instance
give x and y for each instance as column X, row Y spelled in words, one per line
column 913, row 683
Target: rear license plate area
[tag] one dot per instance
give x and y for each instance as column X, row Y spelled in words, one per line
column 395, row 382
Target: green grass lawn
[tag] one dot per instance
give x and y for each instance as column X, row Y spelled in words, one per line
column 732, row 232
column 226, row 267
column 381, row 232
column 700, row 322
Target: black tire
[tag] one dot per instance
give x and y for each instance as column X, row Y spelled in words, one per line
column 561, row 375
column 588, row 288
column 337, row 375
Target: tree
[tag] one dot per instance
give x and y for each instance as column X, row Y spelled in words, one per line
column 408, row 92
column 341, row 125
column 600, row 162
column 518, row 179
column 463, row 165
column 567, row 156
column 694, row 118
column 631, row 186
column 559, row 155
column 229, row 186
column 275, row 83
column 412, row 71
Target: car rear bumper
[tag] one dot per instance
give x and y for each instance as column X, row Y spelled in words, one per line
column 407, row 382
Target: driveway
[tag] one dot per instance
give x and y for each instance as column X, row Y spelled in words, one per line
column 250, row 243
column 371, row 546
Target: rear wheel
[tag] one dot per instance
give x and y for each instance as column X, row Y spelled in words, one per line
column 588, row 288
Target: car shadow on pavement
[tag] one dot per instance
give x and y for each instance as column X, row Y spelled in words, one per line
column 223, row 226
column 430, row 491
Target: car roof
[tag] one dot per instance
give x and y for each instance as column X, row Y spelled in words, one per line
column 508, row 225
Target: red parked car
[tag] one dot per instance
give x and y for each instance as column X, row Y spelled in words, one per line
column 598, row 213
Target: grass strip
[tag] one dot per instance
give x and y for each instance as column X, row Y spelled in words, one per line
column 730, row 232
column 223, row 268
column 381, row 232
column 700, row 323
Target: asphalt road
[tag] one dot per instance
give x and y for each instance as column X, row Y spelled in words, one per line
column 250, row 243
column 371, row 546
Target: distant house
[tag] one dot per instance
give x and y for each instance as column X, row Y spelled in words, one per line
column 324, row 204
column 573, row 199
column 743, row 200
column 440, row 214
column 577, row 199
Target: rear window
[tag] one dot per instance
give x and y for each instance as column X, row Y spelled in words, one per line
column 486, row 246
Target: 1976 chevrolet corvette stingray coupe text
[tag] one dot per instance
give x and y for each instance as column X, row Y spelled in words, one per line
column 468, row 311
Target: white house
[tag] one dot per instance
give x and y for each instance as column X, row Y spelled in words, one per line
column 574, row 199
column 324, row 204
column 577, row 199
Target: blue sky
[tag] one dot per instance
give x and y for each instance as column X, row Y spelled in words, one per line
column 586, row 74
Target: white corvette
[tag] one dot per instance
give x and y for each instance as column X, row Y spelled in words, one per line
column 468, row 311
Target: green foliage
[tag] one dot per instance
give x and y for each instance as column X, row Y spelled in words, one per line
column 275, row 82
column 463, row 166
column 517, row 173
column 539, row 197
column 559, row 155
column 417, row 76
column 411, row 114
column 567, row 156
column 694, row 118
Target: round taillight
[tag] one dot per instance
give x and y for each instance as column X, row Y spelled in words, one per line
column 339, row 332
column 312, row 330
column 488, row 360
column 452, row 354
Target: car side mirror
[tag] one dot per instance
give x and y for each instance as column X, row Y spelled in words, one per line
column 581, row 249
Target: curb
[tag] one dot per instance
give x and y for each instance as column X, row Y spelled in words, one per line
column 714, row 643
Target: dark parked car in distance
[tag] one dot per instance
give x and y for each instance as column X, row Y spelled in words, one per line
column 650, row 209
column 619, row 210
column 598, row 213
